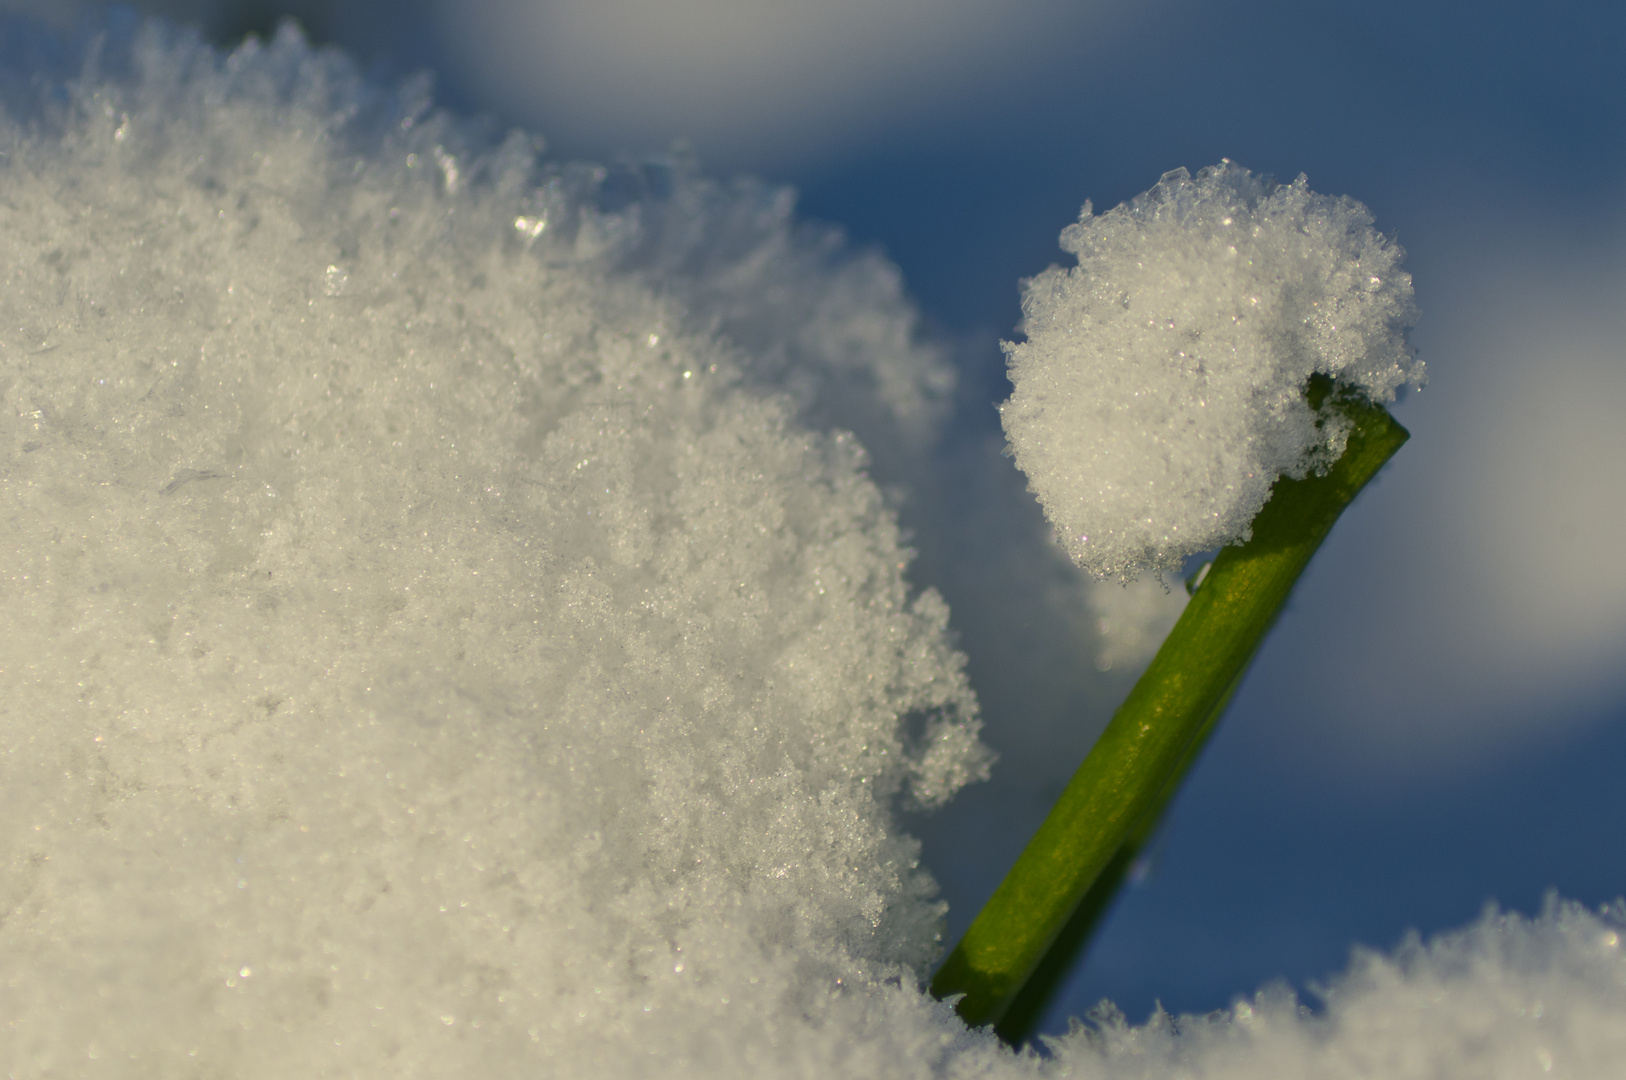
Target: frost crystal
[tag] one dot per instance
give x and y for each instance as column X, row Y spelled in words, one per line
column 428, row 651
column 1160, row 390
column 1506, row 997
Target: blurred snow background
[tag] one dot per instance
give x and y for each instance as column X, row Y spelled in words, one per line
column 1441, row 718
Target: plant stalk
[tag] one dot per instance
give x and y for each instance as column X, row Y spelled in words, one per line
column 1114, row 800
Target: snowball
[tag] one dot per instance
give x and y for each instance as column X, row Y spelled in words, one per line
column 1160, row 390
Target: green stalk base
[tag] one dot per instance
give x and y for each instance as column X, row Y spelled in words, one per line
column 1114, row 800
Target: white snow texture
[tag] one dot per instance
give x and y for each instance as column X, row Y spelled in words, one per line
column 436, row 646
column 1161, row 389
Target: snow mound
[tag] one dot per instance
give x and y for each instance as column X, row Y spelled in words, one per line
column 1506, row 997
column 427, row 651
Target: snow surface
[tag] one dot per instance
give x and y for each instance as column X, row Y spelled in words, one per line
column 447, row 635
column 1160, row 391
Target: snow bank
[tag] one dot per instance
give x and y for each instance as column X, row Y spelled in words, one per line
column 422, row 653
column 1506, row 997
column 444, row 637
column 1160, row 391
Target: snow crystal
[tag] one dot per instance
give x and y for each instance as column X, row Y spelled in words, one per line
column 426, row 653
column 1507, row 997
column 1160, row 390
column 445, row 638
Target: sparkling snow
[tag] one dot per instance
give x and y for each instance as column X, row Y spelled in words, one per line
column 1160, row 391
column 449, row 633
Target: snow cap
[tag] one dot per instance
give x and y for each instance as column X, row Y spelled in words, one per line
column 1160, row 390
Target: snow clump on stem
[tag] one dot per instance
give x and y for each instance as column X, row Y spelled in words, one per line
column 1161, row 388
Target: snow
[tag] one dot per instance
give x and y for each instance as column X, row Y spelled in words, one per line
column 1160, row 390
column 451, row 630
column 1505, row 997
column 465, row 657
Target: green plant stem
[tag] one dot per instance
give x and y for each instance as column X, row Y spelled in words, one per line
column 1021, row 1019
column 1114, row 799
